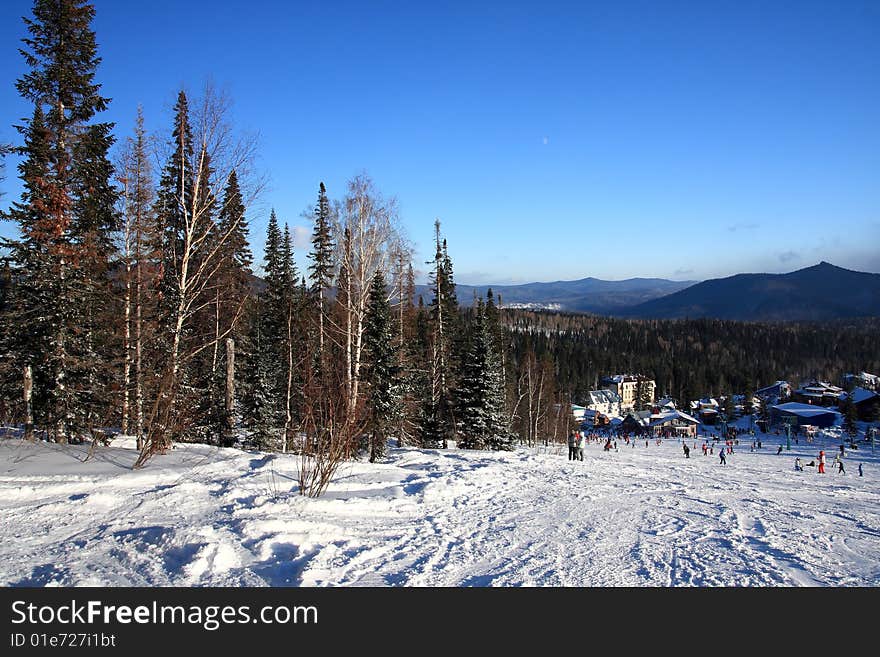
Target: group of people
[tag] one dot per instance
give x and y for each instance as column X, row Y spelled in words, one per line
column 838, row 460
column 577, row 441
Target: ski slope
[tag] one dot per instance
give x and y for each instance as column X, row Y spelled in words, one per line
column 643, row 516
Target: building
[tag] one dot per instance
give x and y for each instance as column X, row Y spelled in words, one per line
column 606, row 402
column 673, row 424
column 862, row 380
column 593, row 419
column 817, row 393
column 867, row 403
column 635, row 422
column 665, row 404
column 578, row 412
column 776, row 393
column 626, row 387
column 707, row 410
column 802, row 414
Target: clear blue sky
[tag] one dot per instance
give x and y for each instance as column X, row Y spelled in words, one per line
column 555, row 141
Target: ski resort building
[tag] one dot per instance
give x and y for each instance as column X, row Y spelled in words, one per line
column 818, row 393
column 778, row 392
column 626, row 387
column 867, row 403
column 862, row 380
column 673, row 424
column 606, row 402
column 802, row 414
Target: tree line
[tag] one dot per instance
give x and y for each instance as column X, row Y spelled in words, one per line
column 129, row 298
column 691, row 359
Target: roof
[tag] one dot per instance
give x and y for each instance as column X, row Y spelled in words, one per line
column 604, row 397
column 820, row 386
column 804, row 410
column 861, row 394
column 662, row 418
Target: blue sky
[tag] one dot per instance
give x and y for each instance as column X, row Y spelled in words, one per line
column 554, row 140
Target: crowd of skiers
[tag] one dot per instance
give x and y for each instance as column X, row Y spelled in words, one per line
column 577, row 442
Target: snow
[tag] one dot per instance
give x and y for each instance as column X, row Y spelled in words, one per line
column 643, row 516
column 805, row 410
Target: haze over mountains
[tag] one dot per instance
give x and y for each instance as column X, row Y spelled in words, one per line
column 587, row 295
column 820, row 292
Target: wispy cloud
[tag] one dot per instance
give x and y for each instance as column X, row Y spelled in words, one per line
column 683, row 272
column 301, row 236
column 741, row 226
column 788, row 256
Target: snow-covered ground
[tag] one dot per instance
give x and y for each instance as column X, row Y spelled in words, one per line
column 643, row 516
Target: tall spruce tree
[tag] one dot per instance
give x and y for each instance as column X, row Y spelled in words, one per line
column 174, row 197
column 384, row 394
column 321, row 269
column 850, row 416
column 437, row 421
column 65, row 216
column 480, row 395
column 272, row 320
column 227, row 297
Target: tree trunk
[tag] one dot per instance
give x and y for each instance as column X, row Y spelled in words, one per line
column 28, row 407
column 229, row 418
column 138, row 359
column 288, row 416
column 126, row 368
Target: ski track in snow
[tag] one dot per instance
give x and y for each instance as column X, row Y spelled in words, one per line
column 204, row 516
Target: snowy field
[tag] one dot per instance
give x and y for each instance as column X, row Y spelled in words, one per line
column 644, row 516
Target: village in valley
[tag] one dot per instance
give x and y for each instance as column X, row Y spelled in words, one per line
column 627, row 404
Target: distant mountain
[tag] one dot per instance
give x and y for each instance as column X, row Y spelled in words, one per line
column 821, row 292
column 587, row 295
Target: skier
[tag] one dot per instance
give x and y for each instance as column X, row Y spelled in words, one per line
column 821, row 462
column 779, row 451
column 582, row 442
column 797, row 465
column 840, row 469
column 860, row 469
column 572, row 442
column 721, row 455
column 687, row 451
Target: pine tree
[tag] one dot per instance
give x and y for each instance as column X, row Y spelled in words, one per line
column 174, row 197
column 480, row 395
column 850, row 416
column 748, row 404
column 321, row 269
column 437, row 416
column 231, row 288
column 729, row 407
column 382, row 374
column 256, row 401
column 272, row 321
column 292, row 338
column 65, row 218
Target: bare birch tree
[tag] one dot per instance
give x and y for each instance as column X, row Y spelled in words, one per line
column 369, row 226
column 200, row 248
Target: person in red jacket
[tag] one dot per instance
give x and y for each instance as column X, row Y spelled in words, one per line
column 821, row 462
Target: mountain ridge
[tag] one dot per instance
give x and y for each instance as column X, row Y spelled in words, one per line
column 819, row 292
